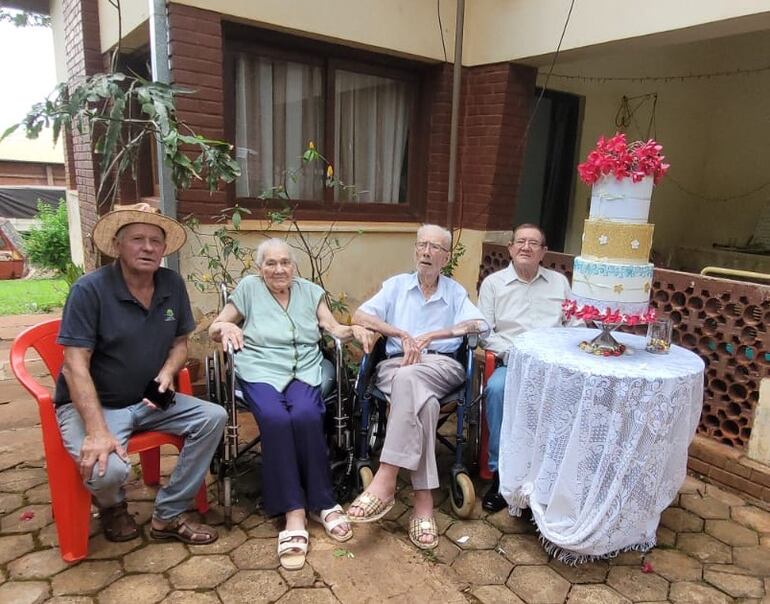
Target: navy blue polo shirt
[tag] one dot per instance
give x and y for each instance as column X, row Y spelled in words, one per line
column 130, row 343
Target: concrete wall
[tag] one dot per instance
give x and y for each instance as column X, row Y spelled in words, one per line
column 714, row 133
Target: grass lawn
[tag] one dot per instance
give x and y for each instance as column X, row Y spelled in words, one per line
column 21, row 296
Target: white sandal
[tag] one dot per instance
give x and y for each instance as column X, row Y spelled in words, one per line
column 330, row 525
column 292, row 554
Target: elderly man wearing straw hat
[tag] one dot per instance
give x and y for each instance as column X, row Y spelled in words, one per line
column 124, row 332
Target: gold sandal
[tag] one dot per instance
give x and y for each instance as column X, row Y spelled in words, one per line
column 423, row 526
column 374, row 508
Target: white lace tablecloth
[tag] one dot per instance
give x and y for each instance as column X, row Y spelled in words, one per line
column 596, row 446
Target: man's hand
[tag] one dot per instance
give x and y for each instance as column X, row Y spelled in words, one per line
column 412, row 348
column 165, row 381
column 96, row 448
column 466, row 327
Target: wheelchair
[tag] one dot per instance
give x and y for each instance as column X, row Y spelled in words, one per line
column 370, row 420
column 235, row 458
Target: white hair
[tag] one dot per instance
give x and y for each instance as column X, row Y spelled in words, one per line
column 441, row 230
column 273, row 243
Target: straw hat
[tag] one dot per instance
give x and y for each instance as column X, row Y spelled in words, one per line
column 109, row 224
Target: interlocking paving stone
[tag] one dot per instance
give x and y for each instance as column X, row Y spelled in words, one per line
column 101, row 549
column 10, row 501
column 590, row 572
column 696, row 593
column 192, row 597
column 595, row 594
column 14, row 546
column 37, row 565
column 495, row 594
column 755, row 559
column 523, row 549
column 319, row 595
column 704, row 548
column 485, row 567
column 24, row 592
column 692, row 485
column 731, row 532
column 681, row 521
column 538, row 585
column 256, row 554
column 86, row 578
column 752, row 517
column 665, row 536
column 155, row 558
column 19, row 480
column 635, row 585
column 265, row 530
column 629, row 558
column 26, row 519
column 674, row 565
column 705, row 506
column 728, row 498
column 135, row 588
column 734, row 581
column 480, row 535
column 70, row 600
column 228, row 541
column 201, row 572
column 506, row 523
column 252, row 587
column 446, row 552
column 39, row 494
column 304, row 577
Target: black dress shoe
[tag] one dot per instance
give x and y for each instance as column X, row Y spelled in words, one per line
column 493, row 501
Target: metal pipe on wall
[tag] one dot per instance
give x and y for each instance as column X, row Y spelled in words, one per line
column 454, row 119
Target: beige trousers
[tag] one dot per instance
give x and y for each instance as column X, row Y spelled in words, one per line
column 414, row 392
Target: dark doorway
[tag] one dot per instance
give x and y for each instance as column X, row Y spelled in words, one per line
column 549, row 166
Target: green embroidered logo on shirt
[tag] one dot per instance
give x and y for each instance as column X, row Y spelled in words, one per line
column 170, row 315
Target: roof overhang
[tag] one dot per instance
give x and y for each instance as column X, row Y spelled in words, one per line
column 34, row 6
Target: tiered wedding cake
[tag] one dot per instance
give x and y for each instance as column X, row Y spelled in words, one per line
column 612, row 277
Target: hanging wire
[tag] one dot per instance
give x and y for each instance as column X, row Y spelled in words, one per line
column 663, row 79
column 441, row 29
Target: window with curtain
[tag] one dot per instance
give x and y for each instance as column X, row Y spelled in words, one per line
column 281, row 105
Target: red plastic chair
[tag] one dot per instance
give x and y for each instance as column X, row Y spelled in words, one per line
column 70, row 500
column 490, row 364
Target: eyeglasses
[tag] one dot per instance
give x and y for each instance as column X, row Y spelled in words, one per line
column 533, row 243
column 433, row 247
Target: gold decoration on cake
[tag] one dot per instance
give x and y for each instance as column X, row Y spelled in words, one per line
column 618, row 289
column 646, row 287
column 616, row 241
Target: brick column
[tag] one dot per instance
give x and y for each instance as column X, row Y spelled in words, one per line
column 196, row 57
column 83, row 58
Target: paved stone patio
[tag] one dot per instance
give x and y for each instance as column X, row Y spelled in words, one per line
column 713, row 547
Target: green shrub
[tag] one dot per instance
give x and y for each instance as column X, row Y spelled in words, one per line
column 48, row 245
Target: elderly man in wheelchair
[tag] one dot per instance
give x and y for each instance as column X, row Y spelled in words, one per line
column 272, row 321
column 424, row 316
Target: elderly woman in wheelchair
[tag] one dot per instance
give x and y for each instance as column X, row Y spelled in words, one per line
column 272, row 321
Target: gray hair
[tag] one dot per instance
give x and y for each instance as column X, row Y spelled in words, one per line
column 271, row 243
column 441, row 230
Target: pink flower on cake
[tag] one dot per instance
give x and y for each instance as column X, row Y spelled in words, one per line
column 623, row 160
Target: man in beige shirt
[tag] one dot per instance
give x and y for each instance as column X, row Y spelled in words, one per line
column 522, row 296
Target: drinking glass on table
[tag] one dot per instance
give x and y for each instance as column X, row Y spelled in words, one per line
column 659, row 336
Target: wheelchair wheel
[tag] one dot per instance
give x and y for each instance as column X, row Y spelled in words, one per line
column 366, row 476
column 462, row 495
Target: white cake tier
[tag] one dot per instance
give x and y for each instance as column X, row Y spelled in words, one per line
column 611, row 282
column 621, row 200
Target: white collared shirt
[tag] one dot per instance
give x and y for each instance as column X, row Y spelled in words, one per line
column 400, row 303
column 513, row 306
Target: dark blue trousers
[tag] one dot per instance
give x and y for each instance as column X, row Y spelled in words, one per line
column 295, row 463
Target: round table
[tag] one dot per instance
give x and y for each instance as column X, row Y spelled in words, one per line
column 596, row 446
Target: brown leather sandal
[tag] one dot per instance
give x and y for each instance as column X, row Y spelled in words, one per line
column 186, row 531
column 117, row 524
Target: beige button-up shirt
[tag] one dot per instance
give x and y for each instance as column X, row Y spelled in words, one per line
column 512, row 306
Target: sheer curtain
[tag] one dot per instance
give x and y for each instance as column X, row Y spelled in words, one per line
column 371, row 114
column 278, row 110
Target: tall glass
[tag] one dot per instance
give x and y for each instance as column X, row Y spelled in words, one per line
column 659, row 336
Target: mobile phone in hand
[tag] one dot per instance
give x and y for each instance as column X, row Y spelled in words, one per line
column 162, row 400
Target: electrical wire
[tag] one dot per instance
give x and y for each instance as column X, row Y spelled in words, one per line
column 441, row 29
column 663, row 79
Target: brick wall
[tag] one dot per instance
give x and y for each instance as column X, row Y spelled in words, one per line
column 196, row 56
column 83, row 58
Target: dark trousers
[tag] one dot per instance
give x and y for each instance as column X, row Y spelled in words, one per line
column 295, row 463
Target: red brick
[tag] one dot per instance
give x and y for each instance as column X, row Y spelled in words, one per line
column 736, row 482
